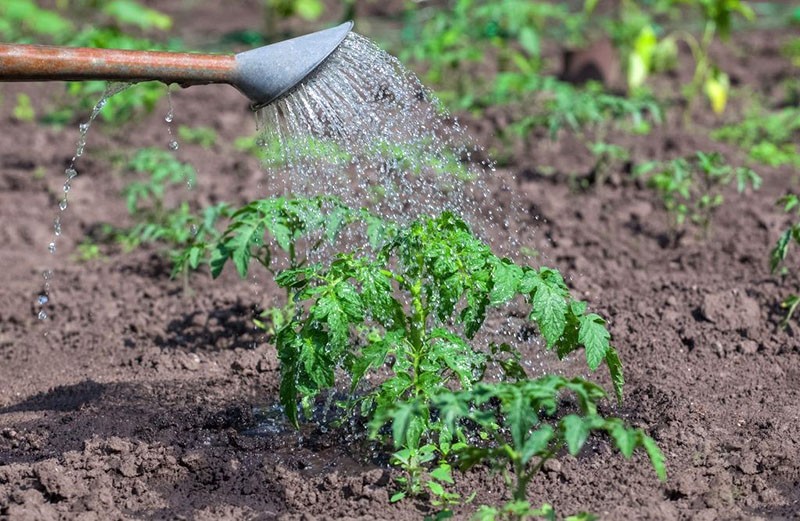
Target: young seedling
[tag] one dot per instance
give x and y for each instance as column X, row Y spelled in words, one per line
column 691, row 187
column 647, row 54
column 790, row 204
column 769, row 138
column 520, row 431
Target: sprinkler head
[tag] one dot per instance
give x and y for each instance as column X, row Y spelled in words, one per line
column 267, row 73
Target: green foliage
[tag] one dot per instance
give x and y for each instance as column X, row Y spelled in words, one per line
column 23, row 21
column 445, row 39
column 185, row 232
column 647, row 49
column 562, row 105
column 260, row 226
column 23, row 110
column 132, row 13
column 522, row 510
column 791, row 205
column 792, row 50
column 408, row 308
column 769, row 137
column 691, row 187
column 305, row 9
column 161, row 170
column 206, row 137
column 521, row 431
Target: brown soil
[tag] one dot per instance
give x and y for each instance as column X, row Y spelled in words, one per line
column 134, row 400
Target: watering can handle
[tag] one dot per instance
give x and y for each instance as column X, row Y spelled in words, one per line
column 52, row 63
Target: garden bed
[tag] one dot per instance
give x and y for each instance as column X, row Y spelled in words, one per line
column 136, row 398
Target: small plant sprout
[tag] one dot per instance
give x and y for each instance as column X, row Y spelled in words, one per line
column 790, row 204
column 514, row 427
column 691, row 187
column 648, row 53
column 770, row 138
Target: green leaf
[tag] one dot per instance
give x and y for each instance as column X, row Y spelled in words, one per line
column 529, row 40
column 549, row 309
column 288, row 356
column 443, row 473
column 537, row 443
column 615, row 368
column 436, row 488
column 625, row 439
column 780, row 250
column 404, row 413
column 397, row 497
column 506, row 277
column 133, row 13
column 656, row 456
column 595, row 338
column 576, row 432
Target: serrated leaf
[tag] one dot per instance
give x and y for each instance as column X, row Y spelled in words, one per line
column 506, row 277
column 595, row 337
column 549, row 311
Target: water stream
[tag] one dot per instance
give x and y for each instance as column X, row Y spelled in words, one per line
column 362, row 127
column 70, row 173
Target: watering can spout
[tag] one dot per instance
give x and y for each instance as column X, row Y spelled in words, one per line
column 263, row 74
column 266, row 73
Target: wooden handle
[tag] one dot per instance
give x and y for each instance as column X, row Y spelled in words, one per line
column 50, row 63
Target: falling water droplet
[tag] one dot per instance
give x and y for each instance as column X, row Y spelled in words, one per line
column 42, row 300
column 173, row 145
column 71, row 173
column 57, row 226
column 169, row 117
column 51, row 247
column 67, row 186
column 62, row 205
column 42, row 315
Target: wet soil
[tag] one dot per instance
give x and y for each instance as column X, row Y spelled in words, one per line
column 137, row 398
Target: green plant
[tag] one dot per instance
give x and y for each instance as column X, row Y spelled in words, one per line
column 408, row 307
column 276, row 10
column 649, row 54
column 790, row 204
column 447, row 276
column 161, row 170
column 185, row 232
column 206, row 137
column 792, row 51
column 691, row 187
column 23, row 110
column 88, row 251
column 768, row 137
column 519, row 430
column 23, row 21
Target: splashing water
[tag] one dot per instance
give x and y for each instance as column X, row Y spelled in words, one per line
column 363, row 128
column 71, row 173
